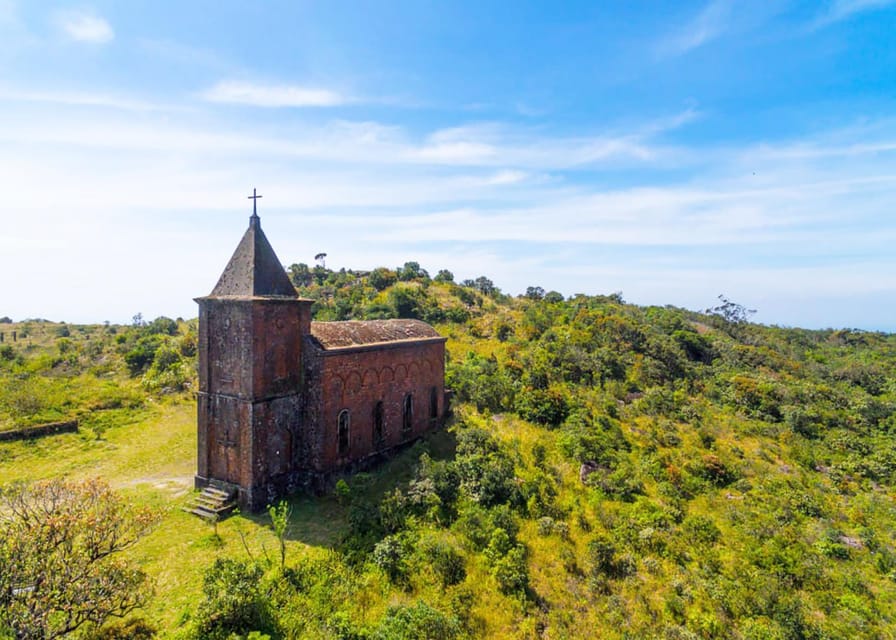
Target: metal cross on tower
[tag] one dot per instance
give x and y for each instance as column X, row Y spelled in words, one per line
column 254, row 198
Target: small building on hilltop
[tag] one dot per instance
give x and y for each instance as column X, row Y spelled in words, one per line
column 285, row 403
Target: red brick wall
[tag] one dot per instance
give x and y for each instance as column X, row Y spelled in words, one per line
column 278, row 328
column 270, row 397
column 249, row 405
column 356, row 379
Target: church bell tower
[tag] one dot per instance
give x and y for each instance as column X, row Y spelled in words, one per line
column 251, row 329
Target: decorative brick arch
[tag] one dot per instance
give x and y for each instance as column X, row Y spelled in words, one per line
column 387, row 374
column 352, row 383
column 401, row 373
column 337, row 385
column 414, row 371
column 371, row 378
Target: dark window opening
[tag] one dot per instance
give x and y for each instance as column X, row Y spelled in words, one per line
column 434, row 402
column 343, row 428
column 407, row 414
column 378, row 432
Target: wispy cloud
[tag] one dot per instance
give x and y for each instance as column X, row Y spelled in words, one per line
column 85, row 99
column 272, row 95
column 843, row 9
column 494, row 198
column 709, row 24
column 182, row 54
column 491, row 146
column 8, row 14
column 84, row 27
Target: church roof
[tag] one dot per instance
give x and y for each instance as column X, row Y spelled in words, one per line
column 254, row 270
column 353, row 333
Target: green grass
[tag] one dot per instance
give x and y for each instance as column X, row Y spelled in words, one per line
column 149, row 455
column 738, row 466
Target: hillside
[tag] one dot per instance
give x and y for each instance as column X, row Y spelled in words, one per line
column 610, row 471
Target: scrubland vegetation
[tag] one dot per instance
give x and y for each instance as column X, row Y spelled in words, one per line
column 611, row 471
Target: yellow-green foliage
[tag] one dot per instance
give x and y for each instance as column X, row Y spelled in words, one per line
column 56, row 372
column 611, row 471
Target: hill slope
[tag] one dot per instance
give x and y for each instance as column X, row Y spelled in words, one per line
column 611, row 471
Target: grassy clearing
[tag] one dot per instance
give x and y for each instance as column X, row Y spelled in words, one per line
column 149, row 455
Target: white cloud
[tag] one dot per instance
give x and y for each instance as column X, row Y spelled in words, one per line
column 84, row 27
column 272, row 95
column 490, row 146
column 843, row 9
column 84, row 99
column 523, row 207
column 709, row 24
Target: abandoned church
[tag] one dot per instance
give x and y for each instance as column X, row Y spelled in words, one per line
column 285, row 403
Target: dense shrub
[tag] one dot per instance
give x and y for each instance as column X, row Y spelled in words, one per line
column 233, row 601
column 446, row 562
column 542, row 406
column 419, row 621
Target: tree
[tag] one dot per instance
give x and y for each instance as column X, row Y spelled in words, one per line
column 381, row 277
column 162, row 326
column 534, row 293
column 59, row 569
column 444, row 276
column 485, row 286
column 320, row 273
column 408, row 301
column 300, row 274
column 280, row 514
column 731, row 311
column 320, row 259
column 411, row 271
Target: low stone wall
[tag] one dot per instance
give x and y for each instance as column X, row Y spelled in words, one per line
column 39, row 430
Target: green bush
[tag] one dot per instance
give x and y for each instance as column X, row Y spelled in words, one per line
column 445, row 561
column 713, row 469
column 233, row 601
column 419, row 621
column 701, row 529
column 542, row 406
column 512, row 572
column 141, row 355
column 382, row 278
column 391, row 555
column 486, row 472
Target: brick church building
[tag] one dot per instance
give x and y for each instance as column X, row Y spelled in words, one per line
column 285, row 403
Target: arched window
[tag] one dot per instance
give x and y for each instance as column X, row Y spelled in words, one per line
column 407, row 414
column 434, row 403
column 378, row 431
column 342, row 431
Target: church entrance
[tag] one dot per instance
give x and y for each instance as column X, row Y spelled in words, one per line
column 225, row 465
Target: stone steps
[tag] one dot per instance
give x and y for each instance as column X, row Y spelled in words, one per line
column 212, row 504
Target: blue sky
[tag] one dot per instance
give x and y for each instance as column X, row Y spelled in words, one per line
column 672, row 151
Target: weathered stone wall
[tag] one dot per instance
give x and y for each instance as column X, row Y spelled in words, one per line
column 356, row 379
column 36, row 431
column 250, row 381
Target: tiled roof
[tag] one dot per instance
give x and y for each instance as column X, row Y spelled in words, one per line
column 333, row 335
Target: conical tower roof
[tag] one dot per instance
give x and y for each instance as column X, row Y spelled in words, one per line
column 254, row 270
